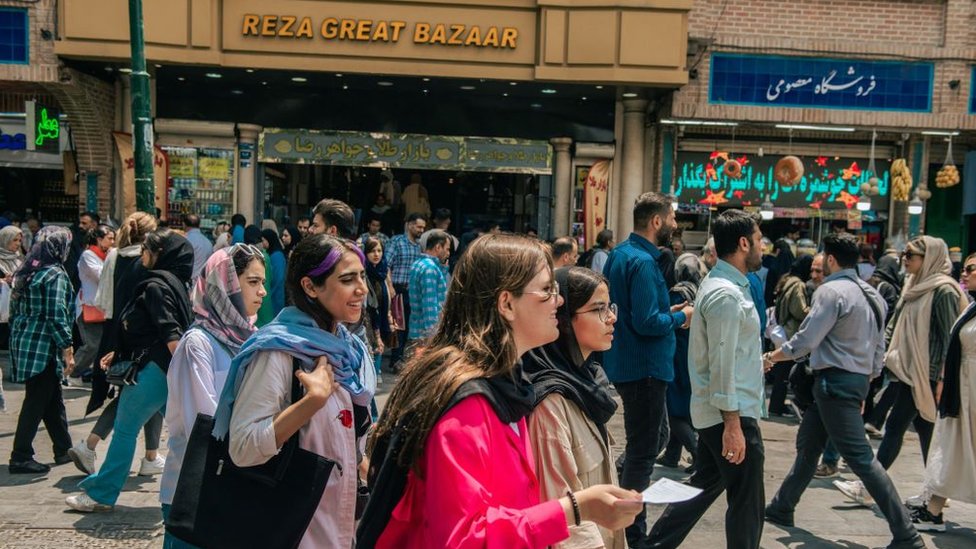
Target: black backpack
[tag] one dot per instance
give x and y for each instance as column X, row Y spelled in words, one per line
column 586, row 258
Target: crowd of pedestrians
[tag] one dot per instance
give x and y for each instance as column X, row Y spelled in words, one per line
column 510, row 356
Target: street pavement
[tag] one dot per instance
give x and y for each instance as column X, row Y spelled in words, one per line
column 33, row 514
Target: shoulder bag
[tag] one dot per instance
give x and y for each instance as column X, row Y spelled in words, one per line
column 218, row 505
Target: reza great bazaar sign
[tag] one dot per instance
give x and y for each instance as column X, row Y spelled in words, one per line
column 369, row 30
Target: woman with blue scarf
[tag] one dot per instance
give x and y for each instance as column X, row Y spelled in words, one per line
column 378, row 302
column 327, row 284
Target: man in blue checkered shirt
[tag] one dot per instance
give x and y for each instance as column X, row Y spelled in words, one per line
column 428, row 287
column 403, row 251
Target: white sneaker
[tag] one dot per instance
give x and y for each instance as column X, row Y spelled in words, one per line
column 83, row 457
column 149, row 468
column 77, row 383
column 84, row 504
column 855, row 491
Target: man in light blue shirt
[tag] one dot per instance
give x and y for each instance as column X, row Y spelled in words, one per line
column 726, row 373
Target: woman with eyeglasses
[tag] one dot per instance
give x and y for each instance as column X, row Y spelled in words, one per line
column 952, row 460
column 226, row 297
column 326, row 283
column 458, row 469
column 568, row 425
column 918, row 341
column 151, row 326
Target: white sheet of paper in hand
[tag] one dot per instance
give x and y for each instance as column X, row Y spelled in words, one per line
column 668, row 491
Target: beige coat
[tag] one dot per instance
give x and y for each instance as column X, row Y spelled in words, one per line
column 570, row 455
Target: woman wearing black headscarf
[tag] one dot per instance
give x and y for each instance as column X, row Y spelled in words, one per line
column 779, row 267
column 40, row 346
column 151, row 327
column 290, row 237
column 573, row 400
column 791, row 308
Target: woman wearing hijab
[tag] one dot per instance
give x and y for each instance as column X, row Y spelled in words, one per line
column 40, row 347
column 90, row 318
column 290, row 237
column 253, row 236
column 326, row 284
column 791, row 306
column 151, row 327
column 568, row 426
column 887, row 280
column 781, row 261
column 378, row 301
column 949, row 473
column 10, row 260
column 279, row 263
column 225, row 299
column 918, row 335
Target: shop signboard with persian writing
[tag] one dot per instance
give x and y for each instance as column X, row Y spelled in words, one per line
column 807, row 82
column 423, row 152
column 828, row 182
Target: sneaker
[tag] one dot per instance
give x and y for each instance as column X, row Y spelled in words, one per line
column 915, row 502
column 855, row 491
column 873, row 431
column 29, row 467
column 84, row 504
column 826, row 470
column 149, row 468
column 77, row 383
column 83, row 457
column 924, row 521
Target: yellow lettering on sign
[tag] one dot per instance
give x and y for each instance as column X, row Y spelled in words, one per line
column 381, row 32
column 347, row 29
column 439, row 35
column 304, row 28
column 491, row 37
column 474, row 37
column 421, row 33
column 456, row 32
column 268, row 25
column 330, row 28
column 286, row 23
column 250, row 26
column 509, row 35
column 397, row 26
column 363, row 29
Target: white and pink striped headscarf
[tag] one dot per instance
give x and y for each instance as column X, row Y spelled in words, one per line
column 217, row 301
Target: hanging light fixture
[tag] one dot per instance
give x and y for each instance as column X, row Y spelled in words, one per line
column 915, row 205
column 863, row 203
column 766, row 209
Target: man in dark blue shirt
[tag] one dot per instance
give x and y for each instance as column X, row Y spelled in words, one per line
column 641, row 361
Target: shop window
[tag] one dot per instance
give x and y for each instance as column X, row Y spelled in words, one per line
column 13, row 36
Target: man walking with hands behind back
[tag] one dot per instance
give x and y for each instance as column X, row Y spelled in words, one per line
column 641, row 361
column 843, row 334
column 725, row 367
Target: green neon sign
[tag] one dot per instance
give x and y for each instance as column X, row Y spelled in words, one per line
column 47, row 128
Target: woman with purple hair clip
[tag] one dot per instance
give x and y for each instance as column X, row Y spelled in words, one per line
column 327, row 283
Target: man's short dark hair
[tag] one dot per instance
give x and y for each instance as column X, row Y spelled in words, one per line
column 647, row 206
column 415, row 216
column 435, row 238
column 729, row 227
column 604, row 237
column 192, row 221
column 238, row 220
column 844, row 247
column 93, row 216
column 562, row 246
column 338, row 214
column 442, row 214
column 303, row 218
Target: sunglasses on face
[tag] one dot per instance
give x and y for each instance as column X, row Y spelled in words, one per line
column 907, row 255
column 970, row 268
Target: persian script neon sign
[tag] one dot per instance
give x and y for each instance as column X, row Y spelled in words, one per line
column 48, row 129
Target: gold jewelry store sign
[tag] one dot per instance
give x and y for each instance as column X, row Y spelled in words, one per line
column 378, row 29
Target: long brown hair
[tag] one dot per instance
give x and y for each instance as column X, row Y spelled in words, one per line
column 472, row 340
column 134, row 229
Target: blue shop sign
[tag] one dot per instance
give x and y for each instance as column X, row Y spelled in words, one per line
column 972, row 90
column 777, row 81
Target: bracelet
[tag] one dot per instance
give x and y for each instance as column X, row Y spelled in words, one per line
column 576, row 509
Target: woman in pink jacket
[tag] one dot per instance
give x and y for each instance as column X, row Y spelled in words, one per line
column 458, row 414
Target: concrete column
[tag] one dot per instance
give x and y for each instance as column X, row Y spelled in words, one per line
column 631, row 165
column 562, row 176
column 246, row 177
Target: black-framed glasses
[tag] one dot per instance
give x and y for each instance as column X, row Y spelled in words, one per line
column 603, row 311
column 970, row 268
column 546, row 295
column 908, row 254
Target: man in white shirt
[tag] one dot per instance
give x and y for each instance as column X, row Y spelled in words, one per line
column 202, row 247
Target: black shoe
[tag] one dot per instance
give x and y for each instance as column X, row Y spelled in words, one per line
column 914, row 543
column 29, row 467
column 666, row 462
column 779, row 518
column 62, row 459
column 925, row 521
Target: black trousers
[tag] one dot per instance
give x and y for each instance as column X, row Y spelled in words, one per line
column 839, row 395
column 781, row 378
column 645, row 409
column 879, row 412
column 683, row 435
column 904, row 413
column 743, row 484
column 397, row 353
column 43, row 401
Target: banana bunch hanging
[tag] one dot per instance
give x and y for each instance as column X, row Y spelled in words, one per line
column 901, row 180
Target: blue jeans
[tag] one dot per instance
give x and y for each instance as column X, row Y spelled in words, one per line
column 378, row 363
column 170, row 541
column 137, row 404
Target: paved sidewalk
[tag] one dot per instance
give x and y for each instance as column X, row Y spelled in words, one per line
column 33, row 514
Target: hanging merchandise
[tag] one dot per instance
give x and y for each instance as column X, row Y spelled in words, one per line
column 948, row 175
column 789, row 169
column 901, row 180
column 732, row 167
column 871, row 188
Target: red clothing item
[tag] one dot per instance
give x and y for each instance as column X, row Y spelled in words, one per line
column 479, row 488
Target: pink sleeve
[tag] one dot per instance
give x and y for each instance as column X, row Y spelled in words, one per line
column 460, row 508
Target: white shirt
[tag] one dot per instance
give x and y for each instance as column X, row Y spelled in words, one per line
column 202, row 250
column 89, row 270
column 223, row 241
column 195, row 379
